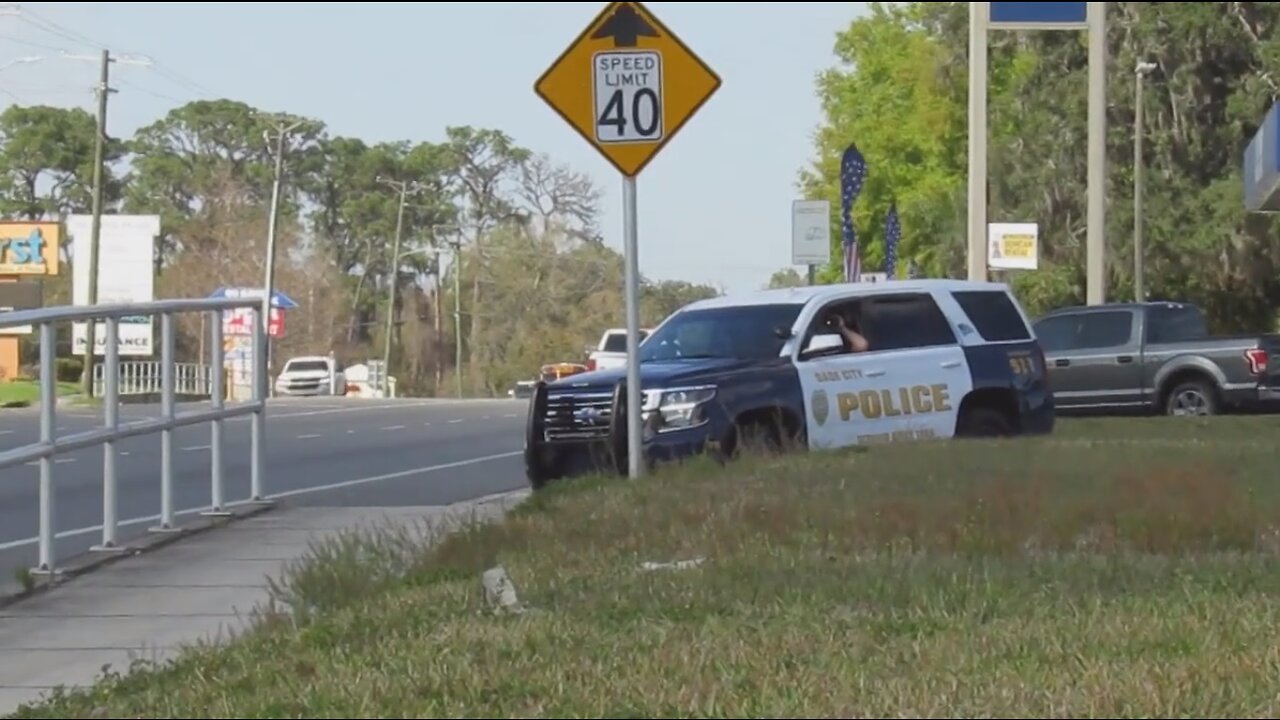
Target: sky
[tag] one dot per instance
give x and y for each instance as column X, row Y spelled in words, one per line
column 714, row 206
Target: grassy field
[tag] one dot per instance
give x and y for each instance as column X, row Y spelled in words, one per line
column 1121, row 568
column 27, row 392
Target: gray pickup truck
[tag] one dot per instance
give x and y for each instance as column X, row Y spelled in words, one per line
column 1155, row 357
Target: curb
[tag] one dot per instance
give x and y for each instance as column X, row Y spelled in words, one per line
column 85, row 563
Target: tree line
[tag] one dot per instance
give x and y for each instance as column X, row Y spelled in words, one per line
column 900, row 92
column 536, row 283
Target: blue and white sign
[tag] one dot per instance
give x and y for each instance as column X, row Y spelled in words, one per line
column 278, row 299
column 1262, row 166
column 1038, row 15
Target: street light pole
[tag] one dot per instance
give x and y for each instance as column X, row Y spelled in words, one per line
column 282, row 130
column 1139, row 270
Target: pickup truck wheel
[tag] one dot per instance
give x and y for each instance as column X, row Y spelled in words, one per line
column 982, row 422
column 1192, row 398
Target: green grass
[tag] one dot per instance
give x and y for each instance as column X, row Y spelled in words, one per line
column 21, row 393
column 1121, row 568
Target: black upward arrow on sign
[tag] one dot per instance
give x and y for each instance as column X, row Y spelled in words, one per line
column 625, row 26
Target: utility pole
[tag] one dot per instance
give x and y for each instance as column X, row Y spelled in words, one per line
column 103, row 89
column 403, row 187
column 95, row 232
column 1139, row 269
column 282, row 129
column 457, row 313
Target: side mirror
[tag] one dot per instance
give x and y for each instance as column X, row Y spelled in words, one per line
column 820, row 344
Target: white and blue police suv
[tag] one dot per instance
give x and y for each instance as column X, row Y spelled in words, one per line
column 944, row 358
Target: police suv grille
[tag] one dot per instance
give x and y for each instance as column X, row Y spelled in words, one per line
column 578, row 417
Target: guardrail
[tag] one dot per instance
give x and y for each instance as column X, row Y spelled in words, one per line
column 146, row 377
column 112, row 431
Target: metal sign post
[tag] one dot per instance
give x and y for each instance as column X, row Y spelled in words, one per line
column 627, row 84
column 1053, row 16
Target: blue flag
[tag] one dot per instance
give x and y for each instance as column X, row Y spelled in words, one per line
column 892, row 235
column 853, row 171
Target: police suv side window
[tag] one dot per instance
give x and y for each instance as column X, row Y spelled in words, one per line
column 897, row 322
column 993, row 314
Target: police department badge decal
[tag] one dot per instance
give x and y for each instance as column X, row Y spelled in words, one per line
column 821, row 406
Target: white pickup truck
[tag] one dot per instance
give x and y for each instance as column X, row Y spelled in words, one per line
column 612, row 350
column 311, row 375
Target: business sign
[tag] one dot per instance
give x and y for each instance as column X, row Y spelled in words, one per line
column 126, row 275
column 810, row 232
column 1038, row 15
column 1262, row 165
column 1013, row 246
column 242, row 322
column 278, row 299
column 19, row 296
column 29, row 248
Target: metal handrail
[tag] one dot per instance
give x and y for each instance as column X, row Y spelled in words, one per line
column 49, row 446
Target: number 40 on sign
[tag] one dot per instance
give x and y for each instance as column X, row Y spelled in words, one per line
column 627, row 84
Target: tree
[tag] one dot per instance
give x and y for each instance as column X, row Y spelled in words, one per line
column 47, row 147
column 786, row 278
column 901, row 94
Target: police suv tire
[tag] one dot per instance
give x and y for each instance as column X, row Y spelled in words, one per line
column 1201, row 389
column 755, row 434
column 535, row 466
column 980, row 421
column 618, row 429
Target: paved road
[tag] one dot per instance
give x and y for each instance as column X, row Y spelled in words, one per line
column 334, row 452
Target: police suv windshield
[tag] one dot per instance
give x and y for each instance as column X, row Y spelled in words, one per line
column 745, row 332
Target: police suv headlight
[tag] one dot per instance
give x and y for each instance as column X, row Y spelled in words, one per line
column 676, row 408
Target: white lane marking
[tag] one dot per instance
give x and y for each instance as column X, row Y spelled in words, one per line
column 484, row 417
column 351, row 432
column 366, row 408
column 124, row 453
column 289, row 493
column 6, row 432
column 510, row 415
column 455, row 422
column 393, row 427
column 195, row 448
column 309, row 436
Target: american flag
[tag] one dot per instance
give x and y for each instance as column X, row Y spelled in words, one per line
column 892, row 234
column 853, row 170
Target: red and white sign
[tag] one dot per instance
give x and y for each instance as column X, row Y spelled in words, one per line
column 240, row 322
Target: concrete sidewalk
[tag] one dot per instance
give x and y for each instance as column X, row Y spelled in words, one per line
column 149, row 605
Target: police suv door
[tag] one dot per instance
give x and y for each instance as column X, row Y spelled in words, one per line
column 907, row 386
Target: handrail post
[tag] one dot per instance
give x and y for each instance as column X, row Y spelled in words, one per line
column 111, row 412
column 217, row 400
column 261, row 376
column 48, row 405
column 167, row 410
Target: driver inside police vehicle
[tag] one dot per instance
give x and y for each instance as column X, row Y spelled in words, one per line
column 850, row 329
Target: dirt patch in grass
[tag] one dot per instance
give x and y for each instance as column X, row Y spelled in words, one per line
column 1101, row 572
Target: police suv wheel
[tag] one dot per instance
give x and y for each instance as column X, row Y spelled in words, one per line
column 535, row 464
column 618, row 429
column 979, row 421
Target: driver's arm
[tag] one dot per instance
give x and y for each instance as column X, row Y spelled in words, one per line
column 857, row 343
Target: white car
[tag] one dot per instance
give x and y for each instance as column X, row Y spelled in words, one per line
column 311, row 375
